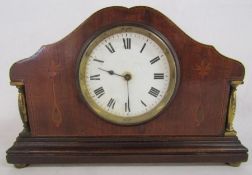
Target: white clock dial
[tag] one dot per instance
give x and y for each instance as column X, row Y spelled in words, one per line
column 127, row 74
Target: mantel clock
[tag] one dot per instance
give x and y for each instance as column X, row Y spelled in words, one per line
column 127, row 86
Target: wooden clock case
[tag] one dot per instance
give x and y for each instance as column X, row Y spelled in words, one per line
column 59, row 127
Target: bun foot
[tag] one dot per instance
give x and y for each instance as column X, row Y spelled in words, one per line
column 234, row 164
column 21, row 165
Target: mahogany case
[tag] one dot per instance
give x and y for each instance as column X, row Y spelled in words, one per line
column 59, row 127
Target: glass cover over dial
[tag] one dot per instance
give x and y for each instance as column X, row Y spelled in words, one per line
column 127, row 74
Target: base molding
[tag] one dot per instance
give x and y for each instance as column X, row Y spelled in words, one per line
column 39, row 150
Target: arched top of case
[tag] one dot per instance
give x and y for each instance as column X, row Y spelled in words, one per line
column 139, row 14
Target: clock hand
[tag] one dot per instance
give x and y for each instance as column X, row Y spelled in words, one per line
column 128, row 95
column 111, row 72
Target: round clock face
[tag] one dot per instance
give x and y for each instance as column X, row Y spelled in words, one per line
column 127, row 75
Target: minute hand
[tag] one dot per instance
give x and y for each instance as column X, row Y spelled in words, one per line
column 111, row 72
column 128, row 95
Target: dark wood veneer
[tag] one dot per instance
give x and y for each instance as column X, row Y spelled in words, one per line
column 199, row 107
column 37, row 150
column 198, row 112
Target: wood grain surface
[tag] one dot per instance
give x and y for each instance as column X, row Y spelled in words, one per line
column 55, row 107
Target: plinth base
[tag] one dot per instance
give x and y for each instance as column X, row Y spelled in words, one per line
column 38, row 150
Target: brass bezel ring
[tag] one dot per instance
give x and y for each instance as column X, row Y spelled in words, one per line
column 116, row 119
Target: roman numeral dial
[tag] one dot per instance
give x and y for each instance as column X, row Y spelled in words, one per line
column 110, row 48
column 142, row 47
column 127, row 43
column 154, row 60
column 158, row 76
column 154, row 92
column 95, row 77
column 126, row 74
column 99, row 92
column 111, row 103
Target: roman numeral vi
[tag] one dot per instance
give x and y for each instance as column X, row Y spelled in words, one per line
column 111, row 103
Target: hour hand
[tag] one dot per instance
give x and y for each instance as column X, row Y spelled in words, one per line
column 111, row 72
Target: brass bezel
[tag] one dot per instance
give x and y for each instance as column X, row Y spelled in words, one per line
column 172, row 60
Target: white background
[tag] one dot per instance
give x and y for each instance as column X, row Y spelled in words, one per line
column 26, row 25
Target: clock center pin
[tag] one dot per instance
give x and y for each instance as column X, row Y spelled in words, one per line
column 127, row 76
